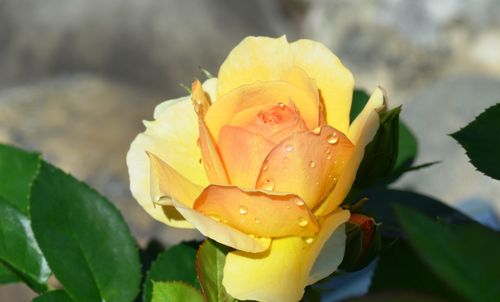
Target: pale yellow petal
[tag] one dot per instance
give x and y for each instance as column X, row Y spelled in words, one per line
column 281, row 273
column 221, row 232
column 172, row 137
column 214, row 167
column 253, row 59
column 210, row 87
column 361, row 133
column 334, row 81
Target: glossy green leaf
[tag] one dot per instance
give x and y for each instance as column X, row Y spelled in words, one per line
column 54, row 296
column 396, row 297
column 464, row 256
column 19, row 249
column 84, row 239
column 18, row 170
column 359, row 100
column 6, row 275
column 400, row 269
column 481, row 141
column 175, row 264
column 210, row 265
column 381, row 204
column 175, row 291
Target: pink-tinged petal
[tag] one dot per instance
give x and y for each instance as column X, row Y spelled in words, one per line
column 245, row 97
column 361, row 133
column 291, row 263
column 259, row 213
column 243, row 153
column 212, row 162
column 307, row 164
column 221, row 232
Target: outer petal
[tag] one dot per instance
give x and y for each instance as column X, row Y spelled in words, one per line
column 212, row 161
column 307, row 164
column 362, row 131
column 258, row 213
column 222, row 112
column 268, row 278
column 172, row 137
column 267, row 59
column 334, row 81
column 222, row 232
column 243, row 153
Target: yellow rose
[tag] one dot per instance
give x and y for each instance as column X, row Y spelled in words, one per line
column 261, row 164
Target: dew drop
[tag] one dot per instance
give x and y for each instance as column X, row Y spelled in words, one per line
column 267, row 184
column 302, row 221
column 329, row 157
column 288, row 148
column 317, row 131
column 215, row 217
column 328, row 151
column 333, row 138
column 257, row 220
column 265, row 168
column 299, row 202
column 312, row 164
column 281, row 105
column 309, row 240
column 243, row 210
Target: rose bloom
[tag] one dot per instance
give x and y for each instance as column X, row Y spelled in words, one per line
column 260, row 159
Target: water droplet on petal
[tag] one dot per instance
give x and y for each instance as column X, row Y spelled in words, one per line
column 328, row 151
column 333, row 138
column 243, row 210
column 281, row 105
column 329, row 157
column 257, row 220
column 299, row 202
column 302, row 221
column 215, row 217
column 309, row 240
column 267, row 184
column 288, row 148
column 312, row 164
column 317, row 131
column 265, row 168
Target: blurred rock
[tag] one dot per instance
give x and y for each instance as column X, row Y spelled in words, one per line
column 433, row 113
column 404, row 45
column 153, row 43
column 84, row 124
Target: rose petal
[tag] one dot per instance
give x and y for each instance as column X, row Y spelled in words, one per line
column 290, row 264
column 266, row 59
column 166, row 182
column 212, row 161
column 361, row 133
column 256, row 212
column 243, row 153
column 227, row 106
column 221, row 232
column 175, row 125
column 307, row 164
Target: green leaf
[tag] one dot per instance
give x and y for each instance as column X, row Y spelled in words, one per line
column 175, row 264
column 84, row 239
column 381, row 204
column 54, row 296
column 175, row 292
column 400, row 269
column 464, row 256
column 396, row 297
column 407, row 148
column 210, row 265
column 18, row 170
column 6, row 275
column 359, row 100
column 381, row 153
column 481, row 142
column 19, row 250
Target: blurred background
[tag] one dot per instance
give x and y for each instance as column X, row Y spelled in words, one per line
column 77, row 77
